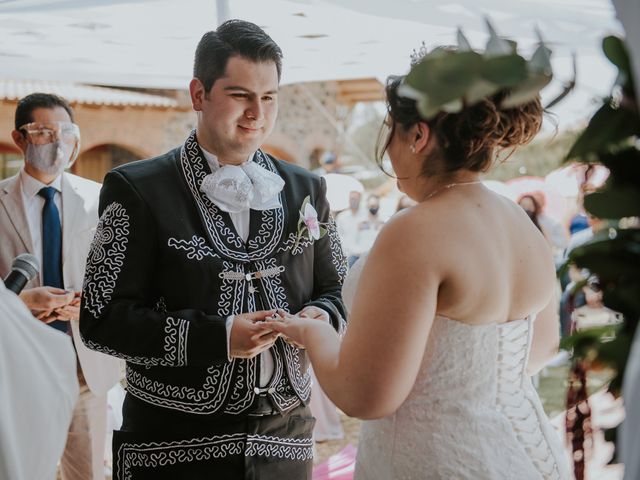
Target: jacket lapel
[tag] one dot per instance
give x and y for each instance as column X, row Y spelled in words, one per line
column 220, row 230
column 11, row 200
column 73, row 220
column 265, row 228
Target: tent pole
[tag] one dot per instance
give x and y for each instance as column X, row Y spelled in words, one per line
column 223, row 11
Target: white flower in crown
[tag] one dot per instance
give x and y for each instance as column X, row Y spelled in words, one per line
column 308, row 224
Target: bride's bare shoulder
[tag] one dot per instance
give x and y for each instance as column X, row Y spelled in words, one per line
column 409, row 231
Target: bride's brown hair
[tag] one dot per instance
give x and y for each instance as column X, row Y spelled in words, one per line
column 469, row 138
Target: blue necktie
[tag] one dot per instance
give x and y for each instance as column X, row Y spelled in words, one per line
column 52, row 247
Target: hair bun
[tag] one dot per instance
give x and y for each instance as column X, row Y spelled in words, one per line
column 520, row 124
column 469, row 138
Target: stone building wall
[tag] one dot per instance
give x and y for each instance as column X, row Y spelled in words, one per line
column 305, row 123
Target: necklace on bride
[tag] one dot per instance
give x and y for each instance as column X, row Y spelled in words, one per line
column 448, row 186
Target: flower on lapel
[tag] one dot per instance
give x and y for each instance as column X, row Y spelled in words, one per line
column 310, row 219
column 308, row 224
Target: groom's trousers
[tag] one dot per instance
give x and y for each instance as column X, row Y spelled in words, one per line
column 158, row 444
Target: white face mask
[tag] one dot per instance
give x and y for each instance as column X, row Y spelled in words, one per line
column 50, row 158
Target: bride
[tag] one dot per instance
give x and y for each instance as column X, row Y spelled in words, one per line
column 450, row 314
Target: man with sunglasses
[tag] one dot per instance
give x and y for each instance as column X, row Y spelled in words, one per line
column 52, row 215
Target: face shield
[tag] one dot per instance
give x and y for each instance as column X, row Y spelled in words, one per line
column 52, row 145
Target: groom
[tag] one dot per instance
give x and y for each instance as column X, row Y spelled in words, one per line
column 194, row 250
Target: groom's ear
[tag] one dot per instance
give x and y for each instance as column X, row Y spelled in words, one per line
column 421, row 134
column 197, row 92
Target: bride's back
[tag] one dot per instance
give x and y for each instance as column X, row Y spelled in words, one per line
column 471, row 411
column 441, row 331
column 498, row 265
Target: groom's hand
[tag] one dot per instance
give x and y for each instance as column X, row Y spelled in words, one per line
column 250, row 336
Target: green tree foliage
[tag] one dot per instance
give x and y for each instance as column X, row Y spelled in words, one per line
column 612, row 138
column 538, row 158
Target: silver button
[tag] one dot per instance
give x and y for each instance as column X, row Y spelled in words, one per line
column 257, row 390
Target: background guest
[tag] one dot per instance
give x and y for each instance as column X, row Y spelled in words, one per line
column 52, row 215
column 347, row 223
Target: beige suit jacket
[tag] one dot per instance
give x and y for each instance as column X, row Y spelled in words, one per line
column 79, row 219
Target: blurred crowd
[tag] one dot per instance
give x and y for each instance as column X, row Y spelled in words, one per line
column 579, row 294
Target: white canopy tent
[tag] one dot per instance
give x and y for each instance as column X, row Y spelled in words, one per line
column 150, row 43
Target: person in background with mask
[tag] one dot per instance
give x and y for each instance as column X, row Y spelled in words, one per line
column 368, row 227
column 532, row 208
column 347, row 223
column 555, row 234
column 53, row 215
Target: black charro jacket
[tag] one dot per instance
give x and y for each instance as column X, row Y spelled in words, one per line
column 166, row 269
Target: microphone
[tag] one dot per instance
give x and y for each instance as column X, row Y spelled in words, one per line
column 24, row 268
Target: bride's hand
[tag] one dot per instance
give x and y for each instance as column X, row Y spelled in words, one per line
column 295, row 329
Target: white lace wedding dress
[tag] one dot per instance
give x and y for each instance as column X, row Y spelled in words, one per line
column 473, row 412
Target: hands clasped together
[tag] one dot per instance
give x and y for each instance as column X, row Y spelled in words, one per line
column 48, row 304
column 254, row 333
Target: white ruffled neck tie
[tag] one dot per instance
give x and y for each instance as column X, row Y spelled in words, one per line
column 234, row 188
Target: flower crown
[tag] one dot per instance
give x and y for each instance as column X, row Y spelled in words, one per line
column 449, row 78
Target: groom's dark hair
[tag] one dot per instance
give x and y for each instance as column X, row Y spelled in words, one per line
column 233, row 38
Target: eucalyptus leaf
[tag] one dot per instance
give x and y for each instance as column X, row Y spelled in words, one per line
column 624, row 298
column 538, row 35
column 624, row 166
column 505, row 70
column 615, row 50
column 463, row 43
column 625, row 241
column 408, row 91
column 452, row 107
column 611, row 137
column 541, row 60
column 615, row 352
column 625, row 245
column 607, row 127
column 441, row 83
column 497, row 46
column 605, row 266
column 588, row 337
column 479, row 90
column 622, row 201
column 427, row 110
column 526, row 92
column 446, row 78
column 438, row 52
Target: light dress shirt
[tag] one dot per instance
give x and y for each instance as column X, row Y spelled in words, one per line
column 241, row 223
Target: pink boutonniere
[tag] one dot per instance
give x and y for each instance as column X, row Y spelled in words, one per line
column 308, row 224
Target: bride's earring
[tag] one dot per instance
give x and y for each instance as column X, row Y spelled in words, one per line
column 412, row 148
